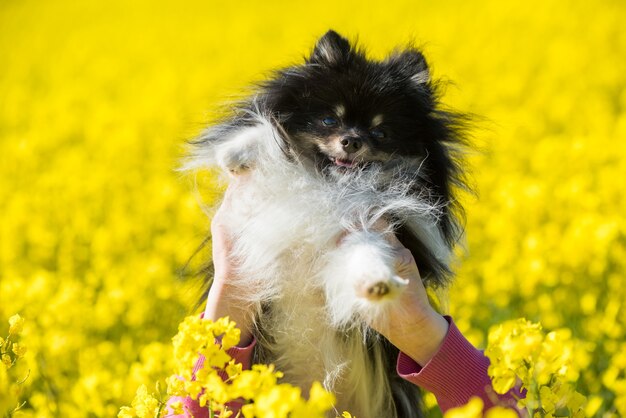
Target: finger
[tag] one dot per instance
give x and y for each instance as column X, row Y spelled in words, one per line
column 220, row 233
column 340, row 238
column 394, row 241
column 233, row 186
column 227, row 200
column 217, row 224
column 405, row 265
column 404, row 257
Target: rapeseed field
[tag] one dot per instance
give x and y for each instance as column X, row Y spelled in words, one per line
column 96, row 226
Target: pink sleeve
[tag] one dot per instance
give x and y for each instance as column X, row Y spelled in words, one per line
column 456, row 373
column 191, row 407
column 243, row 355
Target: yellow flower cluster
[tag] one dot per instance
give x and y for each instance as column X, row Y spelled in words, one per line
column 96, row 227
column 12, row 377
column 521, row 355
column 257, row 389
column 542, row 365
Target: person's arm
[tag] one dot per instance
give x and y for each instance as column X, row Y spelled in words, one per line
column 433, row 353
column 222, row 299
column 456, row 373
column 222, row 302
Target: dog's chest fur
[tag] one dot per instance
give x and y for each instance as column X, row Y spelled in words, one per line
column 306, row 348
column 285, row 231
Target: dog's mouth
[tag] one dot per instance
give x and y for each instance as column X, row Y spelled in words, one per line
column 344, row 162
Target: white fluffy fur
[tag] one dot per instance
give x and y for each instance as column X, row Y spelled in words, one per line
column 310, row 246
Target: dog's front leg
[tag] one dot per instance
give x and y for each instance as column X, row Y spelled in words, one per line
column 360, row 277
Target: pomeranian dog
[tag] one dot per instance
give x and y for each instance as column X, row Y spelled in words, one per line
column 338, row 152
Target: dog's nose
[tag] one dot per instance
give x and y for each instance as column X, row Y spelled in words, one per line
column 351, row 144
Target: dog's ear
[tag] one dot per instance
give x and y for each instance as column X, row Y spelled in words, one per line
column 331, row 49
column 412, row 65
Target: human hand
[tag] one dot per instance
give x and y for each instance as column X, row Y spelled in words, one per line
column 222, row 299
column 411, row 324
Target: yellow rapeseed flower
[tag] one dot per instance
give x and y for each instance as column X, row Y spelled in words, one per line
column 19, row 350
column 16, row 324
column 543, row 364
column 145, row 405
column 473, row 409
column 6, row 360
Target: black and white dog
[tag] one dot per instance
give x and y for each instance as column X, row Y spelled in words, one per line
column 338, row 152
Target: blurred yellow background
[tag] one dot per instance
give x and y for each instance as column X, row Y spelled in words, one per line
column 97, row 99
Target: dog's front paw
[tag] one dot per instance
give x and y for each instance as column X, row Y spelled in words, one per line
column 360, row 278
column 241, row 151
column 237, row 161
column 378, row 289
column 372, row 274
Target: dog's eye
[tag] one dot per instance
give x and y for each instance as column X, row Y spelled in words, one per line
column 329, row 121
column 377, row 133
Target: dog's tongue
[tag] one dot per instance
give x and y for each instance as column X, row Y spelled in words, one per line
column 344, row 163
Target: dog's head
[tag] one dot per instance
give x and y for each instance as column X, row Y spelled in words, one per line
column 345, row 110
column 341, row 112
